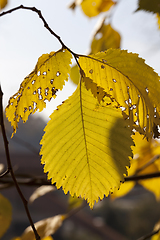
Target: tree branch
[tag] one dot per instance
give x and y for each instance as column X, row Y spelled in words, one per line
column 10, row 169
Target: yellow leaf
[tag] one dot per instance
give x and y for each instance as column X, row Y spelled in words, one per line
column 5, row 214
column 40, row 85
column 106, row 37
column 86, row 146
column 158, row 20
column 74, row 74
column 132, row 83
column 3, row 3
column 93, row 7
column 45, row 228
column 146, row 150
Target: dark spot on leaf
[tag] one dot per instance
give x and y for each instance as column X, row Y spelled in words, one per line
column 103, row 60
column 111, row 89
column 102, row 66
column 25, row 109
column 28, row 88
column 51, row 81
column 91, row 71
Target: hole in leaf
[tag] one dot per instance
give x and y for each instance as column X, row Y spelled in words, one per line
column 28, row 88
column 98, row 36
column 51, row 81
column 46, row 91
column 40, row 97
column 147, row 116
column 137, row 123
column 114, row 80
column 102, row 66
column 38, row 73
column 39, row 90
column 91, row 71
column 111, row 89
column 25, row 109
column 58, row 73
column 33, row 82
column 44, row 73
column 30, row 108
column 147, row 90
column 103, row 60
column 34, row 92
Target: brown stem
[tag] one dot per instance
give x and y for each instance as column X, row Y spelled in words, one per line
column 10, row 169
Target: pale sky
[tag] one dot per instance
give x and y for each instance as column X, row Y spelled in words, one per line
column 23, row 39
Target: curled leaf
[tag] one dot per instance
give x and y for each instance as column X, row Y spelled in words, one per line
column 40, row 85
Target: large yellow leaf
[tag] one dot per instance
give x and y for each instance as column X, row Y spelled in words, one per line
column 5, row 214
column 86, row 146
column 132, row 83
column 3, row 3
column 106, row 37
column 40, row 85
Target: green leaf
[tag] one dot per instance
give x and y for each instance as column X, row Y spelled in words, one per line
column 41, row 84
column 5, row 214
column 86, row 146
column 132, row 83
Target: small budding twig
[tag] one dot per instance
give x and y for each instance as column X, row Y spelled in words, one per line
column 10, row 169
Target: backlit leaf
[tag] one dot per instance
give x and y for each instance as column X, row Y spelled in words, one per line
column 3, row 3
column 132, row 83
column 45, row 228
column 86, row 146
column 146, row 151
column 106, row 37
column 39, row 192
column 40, row 85
column 146, row 161
column 92, row 8
column 5, row 214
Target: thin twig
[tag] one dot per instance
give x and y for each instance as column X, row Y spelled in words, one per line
column 142, row 177
column 34, row 9
column 10, row 169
